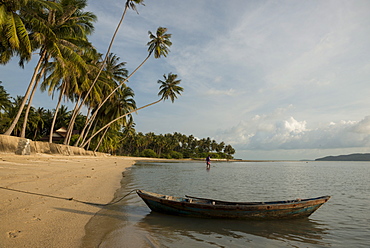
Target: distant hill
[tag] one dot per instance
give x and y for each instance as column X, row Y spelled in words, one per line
column 350, row 157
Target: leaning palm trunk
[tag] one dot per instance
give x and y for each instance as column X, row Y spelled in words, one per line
column 56, row 114
column 24, row 127
column 75, row 112
column 89, row 143
column 93, row 116
column 82, row 133
column 32, row 82
column 23, row 133
column 168, row 89
column 72, row 123
column 102, row 137
column 74, row 116
column 118, row 118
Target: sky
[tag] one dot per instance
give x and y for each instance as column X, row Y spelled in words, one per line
column 278, row 80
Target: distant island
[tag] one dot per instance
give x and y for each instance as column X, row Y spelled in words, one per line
column 350, row 157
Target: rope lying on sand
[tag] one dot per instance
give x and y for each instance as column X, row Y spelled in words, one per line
column 70, row 198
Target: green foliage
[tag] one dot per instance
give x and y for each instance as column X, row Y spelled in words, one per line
column 68, row 64
column 5, row 102
column 176, row 155
column 149, row 153
column 116, row 140
column 74, row 138
column 174, row 145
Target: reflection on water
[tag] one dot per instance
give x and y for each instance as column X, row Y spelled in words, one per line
column 236, row 232
column 341, row 222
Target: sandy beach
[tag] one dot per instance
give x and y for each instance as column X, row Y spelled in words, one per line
column 36, row 209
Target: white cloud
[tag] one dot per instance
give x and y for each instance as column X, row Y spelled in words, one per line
column 362, row 127
column 272, row 132
column 241, row 64
column 216, row 92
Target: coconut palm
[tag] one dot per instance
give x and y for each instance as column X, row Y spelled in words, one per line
column 169, row 89
column 13, row 28
column 229, row 150
column 122, row 103
column 23, row 132
column 68, row 80
column 130, row 4
column 128, row 129
column 38, row 117
column 58, row 34
column 113, row 74
column 14, row 16
column 80, row 92
column 159, row 45
column 4, row 99
column 12, row 111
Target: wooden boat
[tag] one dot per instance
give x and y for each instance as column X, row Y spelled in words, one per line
column 209, row 208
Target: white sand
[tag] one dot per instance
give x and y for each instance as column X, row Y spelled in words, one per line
column 29, row 220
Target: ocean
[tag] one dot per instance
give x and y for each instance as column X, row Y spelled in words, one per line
column 344, row 221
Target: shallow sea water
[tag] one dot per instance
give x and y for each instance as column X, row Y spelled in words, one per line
column 344, row 221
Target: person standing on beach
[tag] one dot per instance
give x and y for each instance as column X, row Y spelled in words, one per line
column 208, row 161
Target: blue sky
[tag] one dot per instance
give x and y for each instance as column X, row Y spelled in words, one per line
column 275, row 79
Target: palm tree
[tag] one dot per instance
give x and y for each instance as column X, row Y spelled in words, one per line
column 113, row 74
column 14, row 16
column 58, row 34
column 126, row 137
column 69, row 80
column 13, row 29
column 169, row 89
column 159, row 45
column 4, row 99
column 5, row 106
column 39, row 115
column 229, row 150
column 23, row 132
column 121, row 104
column 16, row 102
column 130, row 4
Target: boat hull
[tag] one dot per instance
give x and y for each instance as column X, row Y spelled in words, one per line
column 208, row 208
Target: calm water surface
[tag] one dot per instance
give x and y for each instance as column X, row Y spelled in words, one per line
column 344, row 221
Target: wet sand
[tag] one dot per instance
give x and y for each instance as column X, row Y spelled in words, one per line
column 44, row 199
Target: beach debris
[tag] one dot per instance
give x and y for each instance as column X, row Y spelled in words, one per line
column 36, row 218
column 13, row 234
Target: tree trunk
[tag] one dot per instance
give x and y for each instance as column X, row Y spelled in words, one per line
column 101, row 139
column 102, row 65
column 24, row 127
column 93, row 116
column 23, row 133
column 71, row 124
column 101, row 129
column 56, row 114
column 82, row 132
column 16, row 119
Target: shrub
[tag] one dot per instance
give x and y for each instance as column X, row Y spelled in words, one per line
column 149, row 153
column 176, row 155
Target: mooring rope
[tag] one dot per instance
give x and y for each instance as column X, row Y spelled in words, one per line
column 69, row 198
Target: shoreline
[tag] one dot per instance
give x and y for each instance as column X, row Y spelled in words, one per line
column 36, row 206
